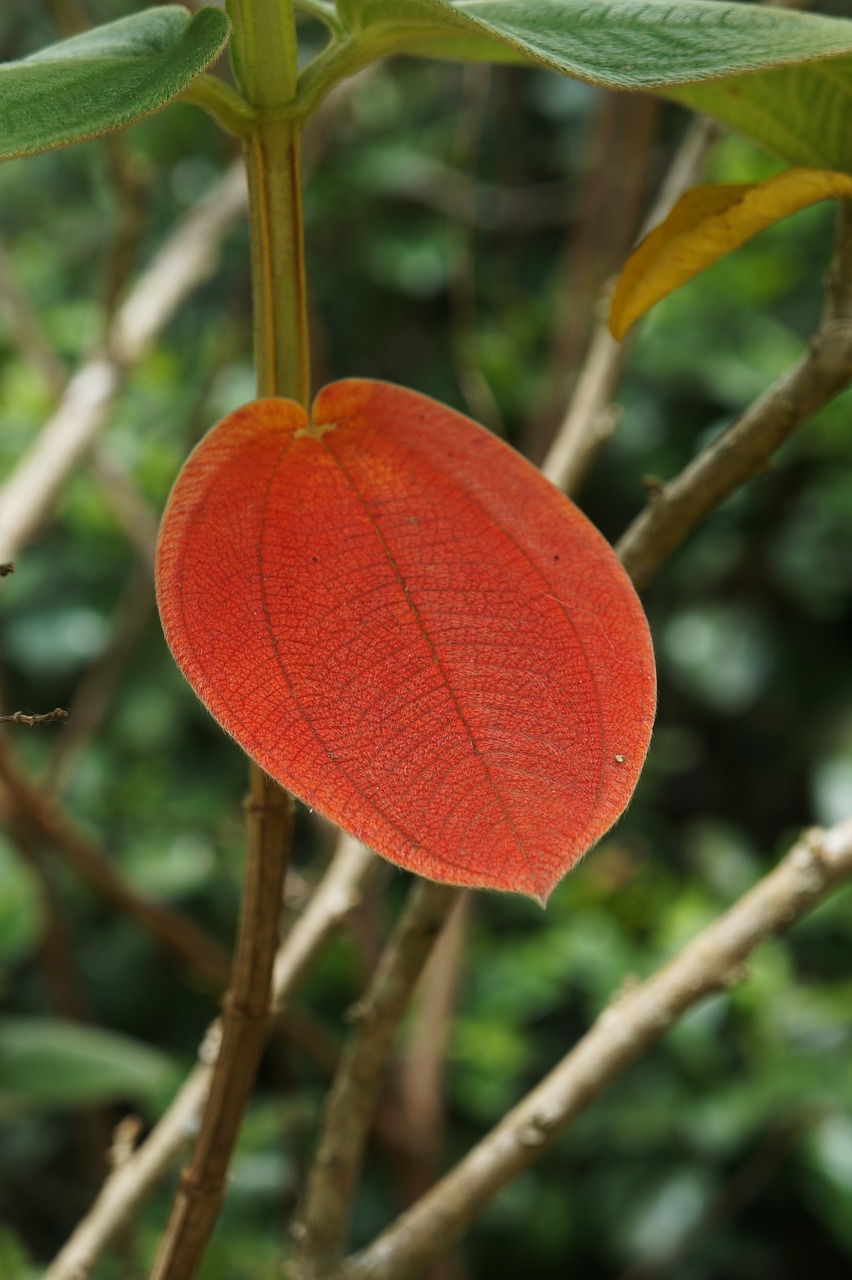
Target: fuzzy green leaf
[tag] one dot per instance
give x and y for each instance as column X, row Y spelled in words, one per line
column 105, row 78
column 622, row 44
column 777, row 75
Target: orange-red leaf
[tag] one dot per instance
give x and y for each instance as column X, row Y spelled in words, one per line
column 399, row 619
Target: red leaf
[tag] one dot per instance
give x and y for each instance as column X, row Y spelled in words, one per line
column 402, row 622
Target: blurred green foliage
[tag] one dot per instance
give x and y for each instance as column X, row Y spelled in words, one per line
column 728, row 1151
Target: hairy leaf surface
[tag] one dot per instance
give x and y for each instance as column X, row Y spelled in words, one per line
column 775, row 74
column 623, row 44
column 105, row 78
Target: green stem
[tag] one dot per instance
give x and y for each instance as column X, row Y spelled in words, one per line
column 227, row 107
column 263, row 48
column 279, row 300
column 264, row 52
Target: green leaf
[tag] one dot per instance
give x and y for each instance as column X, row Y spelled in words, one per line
column 803, row 114
column 48, row 1063
column 622, row 44
column 105, row 78
column 20, row 907
column 15, row 1263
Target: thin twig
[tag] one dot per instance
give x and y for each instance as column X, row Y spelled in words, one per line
column 636, row 1019
column 618, row 170
column 591, row 416
column 412, row 1123
column 184, row 261
column 128, row 1186
column 322, row 1223
column 32, row 722
column 742, row 452
column 245, row 1020
column 336, row 896
column 126, row 1189
column 179, row 934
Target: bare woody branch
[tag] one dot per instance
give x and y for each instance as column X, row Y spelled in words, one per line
column 623, row 1033
column 323, row 1222
column 744, row 449
column 126, row 1189
column 411, row 1122
column 591, row 415
column 129, row 1185
column 245, row 1021
column 185, row 260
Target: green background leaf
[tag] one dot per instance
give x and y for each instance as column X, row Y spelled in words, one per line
column 45, row 1062
column 803, row 114
column 20, row 907
column 104, row 79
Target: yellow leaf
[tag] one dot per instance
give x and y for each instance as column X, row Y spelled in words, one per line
column 705, row 224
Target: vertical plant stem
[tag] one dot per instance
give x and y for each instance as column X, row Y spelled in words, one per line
column 277, row 261
column 264, row 54
column 245, row 1019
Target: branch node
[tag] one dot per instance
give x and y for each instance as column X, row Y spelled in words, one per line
column 357, row 1011
column 808, row 859
column 194, row 1190
column 532, row 1135
column 243, row 1011
column 653, row 486
column 125, row 1135
column 208, row 1050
